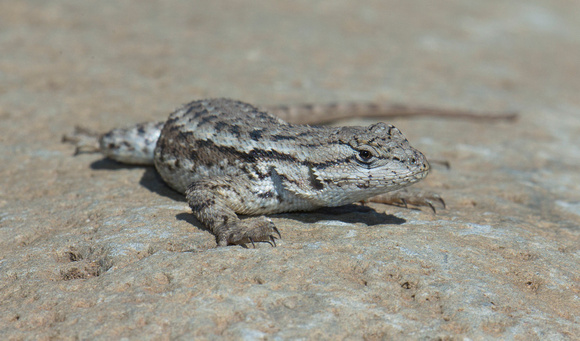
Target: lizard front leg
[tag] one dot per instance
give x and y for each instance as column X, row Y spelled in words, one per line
column 213, row 202
column 405, row 197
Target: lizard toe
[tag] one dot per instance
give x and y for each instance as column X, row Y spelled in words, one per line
column 252, row 230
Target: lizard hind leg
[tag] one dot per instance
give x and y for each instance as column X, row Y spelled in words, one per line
column 211, row 201
column 84, row 139
column 134, row 145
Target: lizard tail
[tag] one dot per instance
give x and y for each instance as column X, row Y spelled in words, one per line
column 324, row 113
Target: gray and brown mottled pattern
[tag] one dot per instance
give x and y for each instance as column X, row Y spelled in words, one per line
column 230, row 158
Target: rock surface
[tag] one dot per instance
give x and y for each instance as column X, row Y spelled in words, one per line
column 90, row 249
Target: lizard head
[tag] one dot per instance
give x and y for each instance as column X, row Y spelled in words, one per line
column 372, row 160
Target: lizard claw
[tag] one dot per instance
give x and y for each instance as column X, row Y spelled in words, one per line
column 277, row 232
column 432, row 207
column 429, row 202
column 272, row 241
column 442, row 202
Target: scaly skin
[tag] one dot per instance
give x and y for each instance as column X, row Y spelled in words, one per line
column 230, row 158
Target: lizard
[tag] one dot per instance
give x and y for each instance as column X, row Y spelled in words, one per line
column 231, row 158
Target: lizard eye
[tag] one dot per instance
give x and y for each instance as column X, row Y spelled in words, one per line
column 365, row 155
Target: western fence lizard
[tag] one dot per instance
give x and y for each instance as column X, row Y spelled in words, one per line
column 230, row 158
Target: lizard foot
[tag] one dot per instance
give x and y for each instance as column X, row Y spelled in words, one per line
column 406, row 198
column 84, row 140
column 250, row 230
